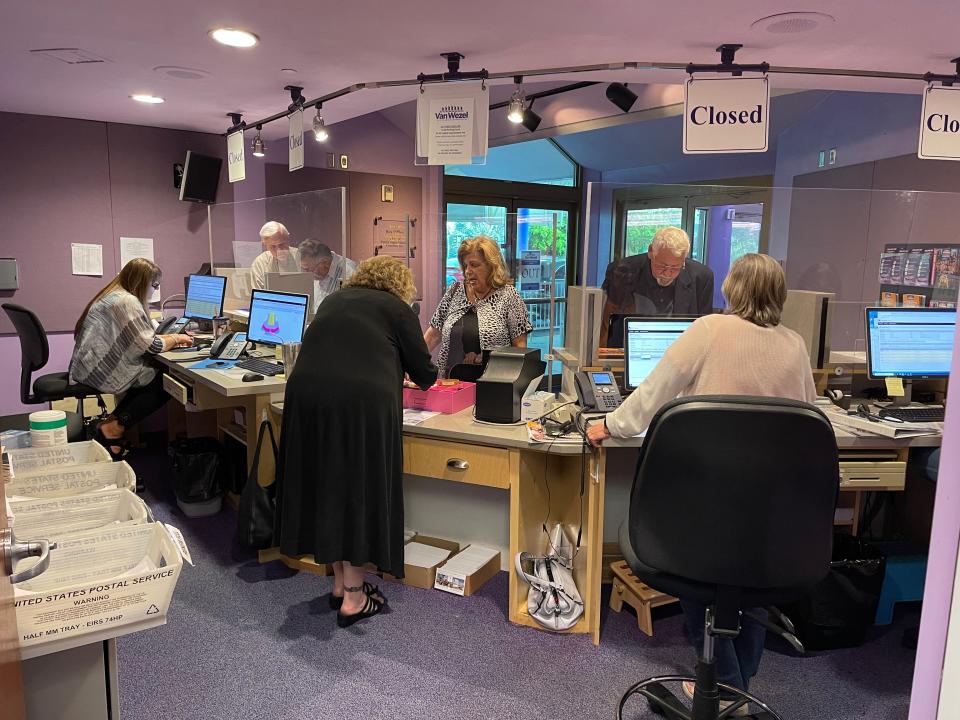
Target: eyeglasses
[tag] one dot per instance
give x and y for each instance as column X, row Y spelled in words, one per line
column 660, row 267
column 155, row 285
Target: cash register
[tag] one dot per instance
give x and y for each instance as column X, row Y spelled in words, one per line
column 510, row 374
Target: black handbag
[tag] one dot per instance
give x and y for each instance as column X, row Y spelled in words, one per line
column 258, row 504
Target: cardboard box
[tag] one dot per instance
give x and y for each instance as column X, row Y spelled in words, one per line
column 446, row 399
column 424, row 577
column 64, row 607
column 468, row 584
column 51, row 482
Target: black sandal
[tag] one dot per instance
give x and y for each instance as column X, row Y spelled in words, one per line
column 336, row 602
column 110, row 443
column 371, row 607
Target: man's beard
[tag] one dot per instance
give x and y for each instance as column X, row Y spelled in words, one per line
column 664, row 283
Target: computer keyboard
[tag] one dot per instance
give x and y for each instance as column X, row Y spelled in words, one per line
column 914, row 414
column 260, row 366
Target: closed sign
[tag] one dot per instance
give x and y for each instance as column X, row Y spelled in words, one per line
column 236, row 169
column 940, row 124
column 726, row 115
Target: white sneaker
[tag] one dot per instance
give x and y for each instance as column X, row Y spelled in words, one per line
column 743, row 710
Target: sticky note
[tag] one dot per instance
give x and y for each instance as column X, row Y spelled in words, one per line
column 894, row 386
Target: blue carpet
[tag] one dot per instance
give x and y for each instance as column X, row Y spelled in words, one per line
column 245, row 640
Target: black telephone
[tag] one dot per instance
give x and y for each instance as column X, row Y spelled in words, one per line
column 229, row 346
column 172, row 325
column 597, row 391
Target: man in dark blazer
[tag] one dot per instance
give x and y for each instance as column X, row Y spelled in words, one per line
column 662, row 281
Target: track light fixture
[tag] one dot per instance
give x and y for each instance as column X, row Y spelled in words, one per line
column 517, row 101
column 257, row 146
column 320, row 133
column 531, row 121
column 621, row 96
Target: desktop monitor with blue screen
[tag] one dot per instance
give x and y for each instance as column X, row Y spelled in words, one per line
column 205, row 297
column 276, row 317
column 909, row 342
column 646, row 339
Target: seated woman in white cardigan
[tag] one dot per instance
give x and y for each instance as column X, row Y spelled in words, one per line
column 743, row 352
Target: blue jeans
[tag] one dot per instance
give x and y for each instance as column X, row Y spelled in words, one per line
column 737, row 660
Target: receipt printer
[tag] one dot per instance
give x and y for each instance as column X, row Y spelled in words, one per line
column 511, row 373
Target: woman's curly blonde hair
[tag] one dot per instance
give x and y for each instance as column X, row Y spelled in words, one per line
column 490, row 252
column 384, row 273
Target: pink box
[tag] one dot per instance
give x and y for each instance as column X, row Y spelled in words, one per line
column 441, row 398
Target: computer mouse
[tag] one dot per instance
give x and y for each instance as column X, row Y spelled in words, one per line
column 251, row 377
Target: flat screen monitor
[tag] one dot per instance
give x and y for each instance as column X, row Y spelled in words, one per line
column 276, row 317
column 910, row 342
column 201, row 174
column 205, row 296
column 647, row 339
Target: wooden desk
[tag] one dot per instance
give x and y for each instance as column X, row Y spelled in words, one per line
column 214, row 390
column 455, row 448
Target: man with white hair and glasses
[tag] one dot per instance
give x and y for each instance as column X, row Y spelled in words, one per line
column 277, row 255
column 663, row 281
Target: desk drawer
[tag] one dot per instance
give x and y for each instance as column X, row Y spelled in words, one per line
column 861, row 475
column 457, row 461
column 179, row 391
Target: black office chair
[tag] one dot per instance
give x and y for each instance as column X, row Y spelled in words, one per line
column 732, row 506
column 34, row 353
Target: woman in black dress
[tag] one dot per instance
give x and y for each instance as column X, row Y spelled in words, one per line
column 341, row 454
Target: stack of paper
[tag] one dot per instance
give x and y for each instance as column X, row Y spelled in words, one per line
column 71, row 480
column 94, row 557
column 51, row 518
column 425, row 556
column 860, row 425
column 470, row 560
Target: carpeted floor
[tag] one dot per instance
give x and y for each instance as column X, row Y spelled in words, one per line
column 245, row 640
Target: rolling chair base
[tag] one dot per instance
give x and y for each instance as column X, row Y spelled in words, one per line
column 663, row 702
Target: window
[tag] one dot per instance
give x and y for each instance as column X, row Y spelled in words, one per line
column 643, row 224
column 537, row 161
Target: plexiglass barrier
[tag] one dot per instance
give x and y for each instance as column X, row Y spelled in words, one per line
column 309, row 255
column 842, row 250
column 532, row 245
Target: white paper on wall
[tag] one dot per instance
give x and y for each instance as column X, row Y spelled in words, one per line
column 87, row 259
column 131, row 248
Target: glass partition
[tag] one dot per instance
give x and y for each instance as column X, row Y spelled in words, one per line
column 533, row 247
column 843, row 250
column 312, row 256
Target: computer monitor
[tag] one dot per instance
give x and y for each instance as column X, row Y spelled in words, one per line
column 276, row 317
column 910, row 342
column 205, row 297
column 647, row 339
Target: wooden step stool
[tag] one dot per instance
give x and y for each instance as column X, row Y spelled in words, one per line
column 628, row 589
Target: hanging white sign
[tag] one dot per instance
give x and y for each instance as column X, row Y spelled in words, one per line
column 452, row 125
column 236, row 168
column 530, row 270
column 940, row 124
column 295, row 140
column 726, row 115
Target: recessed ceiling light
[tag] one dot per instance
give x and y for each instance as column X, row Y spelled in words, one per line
column 149, row 99
column 790, row 23
column 234, row 38
column 182, row 73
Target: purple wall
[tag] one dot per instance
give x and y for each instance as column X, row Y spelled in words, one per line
column 67, row 181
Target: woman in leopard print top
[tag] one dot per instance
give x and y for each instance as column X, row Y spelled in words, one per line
column 482, row 312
